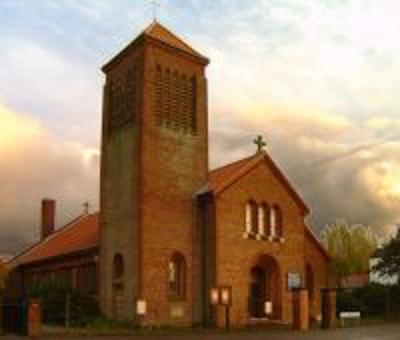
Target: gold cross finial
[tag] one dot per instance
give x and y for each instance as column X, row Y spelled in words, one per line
column 86, row 206
column 259, row 141
column 155, row 4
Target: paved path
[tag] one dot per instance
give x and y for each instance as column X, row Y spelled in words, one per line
column 384, row 332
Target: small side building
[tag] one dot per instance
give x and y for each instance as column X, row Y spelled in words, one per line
column 68, row 254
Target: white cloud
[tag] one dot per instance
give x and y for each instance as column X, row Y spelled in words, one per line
column 36, row 164
column 318, row 78
column 66, row 94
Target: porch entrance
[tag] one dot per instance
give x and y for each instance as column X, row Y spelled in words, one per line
column 265, row 285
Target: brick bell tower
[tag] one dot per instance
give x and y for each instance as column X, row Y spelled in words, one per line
column 154, row 158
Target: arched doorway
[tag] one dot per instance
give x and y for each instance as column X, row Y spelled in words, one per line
column 118, row 286
column 265, row 285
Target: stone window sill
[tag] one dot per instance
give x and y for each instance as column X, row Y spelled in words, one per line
column 249, row 235
column 262, row 237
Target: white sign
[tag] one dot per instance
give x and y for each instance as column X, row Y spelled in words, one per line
column 141, row 307
column 268, row 307
column 294, row 280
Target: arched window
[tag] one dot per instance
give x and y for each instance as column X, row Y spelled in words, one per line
column 118, row 271
column 263, row 219
column 276, row 221
column 177, row 276
column 251, row 217
column 261, row 224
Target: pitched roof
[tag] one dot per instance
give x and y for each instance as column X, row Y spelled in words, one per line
column 160, row 33
column 221, row 178
column 79, row 235
column 317, row 241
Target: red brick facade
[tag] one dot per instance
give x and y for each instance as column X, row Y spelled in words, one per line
column 161, row 202
column 169, row 230
column 69, row 255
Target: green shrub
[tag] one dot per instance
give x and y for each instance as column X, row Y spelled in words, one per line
column 372, row 300
column 54, row 295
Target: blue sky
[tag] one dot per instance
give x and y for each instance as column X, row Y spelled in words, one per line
column 317, row 78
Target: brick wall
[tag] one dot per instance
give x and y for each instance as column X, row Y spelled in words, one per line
column 235, row 255
column 174, row 166
column 119, row 191
column 318, row 262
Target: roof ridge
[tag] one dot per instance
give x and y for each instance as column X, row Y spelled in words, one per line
column 316, row 239
column 56, row 232
column 186, row 47
column 175, row 36
column 233, row 163
column 170, row 39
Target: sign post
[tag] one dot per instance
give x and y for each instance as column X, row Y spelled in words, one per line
column 222, row 296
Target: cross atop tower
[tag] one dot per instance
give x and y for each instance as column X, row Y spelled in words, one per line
column 259, row 141
column 155, row 4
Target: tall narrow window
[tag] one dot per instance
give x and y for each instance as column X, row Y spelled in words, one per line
column 130, row 97
column 272, row 217
column 175, row 101
column 251, row 217
column 158, row 95
column 118, row 271
column 267, row 219
column 185, row 101
column 167, row 97
column 177, row 276
column 261, row 226
column 276, row 221
column 193, row 103
column 263, row 219
column 248, row 218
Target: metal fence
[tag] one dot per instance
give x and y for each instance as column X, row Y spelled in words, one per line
column 14, row 316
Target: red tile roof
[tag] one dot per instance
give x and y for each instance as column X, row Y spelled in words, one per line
column 161, row 33
column 158, row 32
column 78, row 235
column 221, row 178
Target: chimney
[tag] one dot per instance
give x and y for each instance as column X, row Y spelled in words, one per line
column 48, row 214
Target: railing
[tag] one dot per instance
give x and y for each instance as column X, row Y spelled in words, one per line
column 13, row 316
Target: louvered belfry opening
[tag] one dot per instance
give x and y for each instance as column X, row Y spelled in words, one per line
column 175, row 100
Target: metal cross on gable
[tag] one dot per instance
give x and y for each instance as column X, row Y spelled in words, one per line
column 259, row 141
column 155, row 4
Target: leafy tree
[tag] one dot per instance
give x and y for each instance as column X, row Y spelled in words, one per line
column 350, row 247
column 389, row 264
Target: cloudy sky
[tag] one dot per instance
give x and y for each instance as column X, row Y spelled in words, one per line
column 319, row 79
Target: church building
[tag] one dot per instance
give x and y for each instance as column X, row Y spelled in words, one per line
column 171, row 230
column 171, row 233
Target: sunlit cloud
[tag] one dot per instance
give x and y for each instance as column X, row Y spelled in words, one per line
column 36, row 164
column 319, row 79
